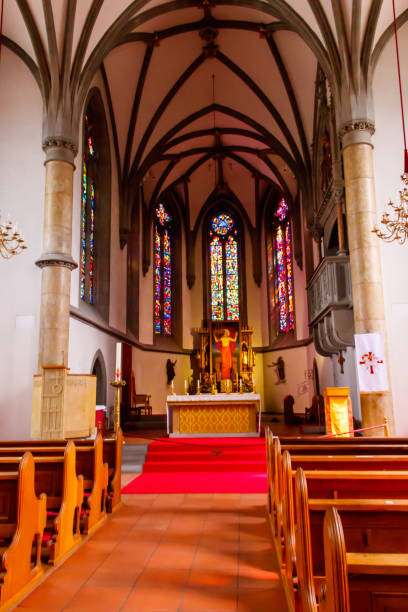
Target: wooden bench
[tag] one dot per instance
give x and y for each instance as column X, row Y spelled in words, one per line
column 330, row 483
column 337, row 440
column 329, row 455
column 56, row 477
column 112, row 455
column 370, row 526
column 22, row 522
column 89, row 464
column 373, row 582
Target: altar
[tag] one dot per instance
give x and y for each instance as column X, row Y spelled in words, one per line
column 220, row 414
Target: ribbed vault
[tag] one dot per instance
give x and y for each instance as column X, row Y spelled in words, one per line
column 202, row 95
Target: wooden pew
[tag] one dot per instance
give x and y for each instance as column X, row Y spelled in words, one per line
column 89, row 464
column 23, row 519
column 369, row 484
column 355, row 582
column 56, row 477
column 370, row 526
column 112, row 455
column 274, row 462
column 345, row 449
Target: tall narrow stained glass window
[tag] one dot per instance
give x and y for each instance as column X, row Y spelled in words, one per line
column 280, row 271
column 224, row 269
column 162, row 272
column 87, row 267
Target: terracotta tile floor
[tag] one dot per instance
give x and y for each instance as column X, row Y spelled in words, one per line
column 168, row 553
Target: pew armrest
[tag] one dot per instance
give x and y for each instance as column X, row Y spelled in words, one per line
column 377, row 563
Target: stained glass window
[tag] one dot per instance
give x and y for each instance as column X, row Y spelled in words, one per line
column 224, row 272
column 87, row 266
column 162, row 273
column 280, row 271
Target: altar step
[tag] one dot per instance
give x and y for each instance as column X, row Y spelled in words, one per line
column 205, row 456
column 204, row 466
column 133, row 458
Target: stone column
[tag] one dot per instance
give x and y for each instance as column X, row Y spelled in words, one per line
column 364, row 248
column 56, row 263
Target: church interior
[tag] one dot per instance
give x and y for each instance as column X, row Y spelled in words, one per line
column 203, row 209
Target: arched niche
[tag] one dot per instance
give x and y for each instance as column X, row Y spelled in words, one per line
column 98, row 369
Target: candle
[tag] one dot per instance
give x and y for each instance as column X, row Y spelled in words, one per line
column 172, row 387
column 118, row 361
column 240, row 384
column 198, row 385
column 185, row 386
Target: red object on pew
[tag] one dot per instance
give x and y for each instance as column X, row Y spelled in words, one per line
column 99, row 419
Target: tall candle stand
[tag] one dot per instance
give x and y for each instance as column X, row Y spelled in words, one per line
column 118, row 384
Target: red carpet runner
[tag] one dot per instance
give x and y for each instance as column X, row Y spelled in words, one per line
column 203, row 465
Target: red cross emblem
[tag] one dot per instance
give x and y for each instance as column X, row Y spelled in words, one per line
column 370, row 361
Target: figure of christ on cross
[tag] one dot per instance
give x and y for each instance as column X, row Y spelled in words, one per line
column 225, row 343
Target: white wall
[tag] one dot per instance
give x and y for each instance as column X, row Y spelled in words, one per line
column 22, row 194
column 388, row 165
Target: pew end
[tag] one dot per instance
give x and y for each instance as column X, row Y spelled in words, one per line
column 21, row 566
column 66, row 528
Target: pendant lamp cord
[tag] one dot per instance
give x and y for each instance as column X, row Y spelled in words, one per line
column 400, row 90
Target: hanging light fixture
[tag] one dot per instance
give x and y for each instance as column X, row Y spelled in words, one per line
column 394, row 220
column 11, row 241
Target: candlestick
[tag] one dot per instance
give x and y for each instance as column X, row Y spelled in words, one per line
column 118, row 384
column 118, row 368
column 185, row 387
column 198, row 387
column 172, row 387
column 253, row 384
column 240, row 385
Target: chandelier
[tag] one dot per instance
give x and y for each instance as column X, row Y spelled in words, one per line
column 395, row 217
column 11, row 241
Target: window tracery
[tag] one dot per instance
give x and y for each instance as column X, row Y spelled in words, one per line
column 280, row 271
column 162, row 272
column 224, row 269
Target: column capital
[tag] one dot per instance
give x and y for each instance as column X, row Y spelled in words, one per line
column 56, row 259
column 59, row 148
column 356, row 131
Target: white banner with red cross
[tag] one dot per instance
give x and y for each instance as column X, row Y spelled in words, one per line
column 370, row 359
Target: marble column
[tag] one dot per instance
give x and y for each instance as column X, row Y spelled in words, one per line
column 56, row 263
column 364, row 248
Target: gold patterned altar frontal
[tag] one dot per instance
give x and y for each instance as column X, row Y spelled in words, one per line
column 216, row 419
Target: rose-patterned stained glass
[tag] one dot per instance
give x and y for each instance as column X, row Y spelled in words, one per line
column 217, row 280
column 162, row 215
column 281, row 210
column 222, row 224
column 224, row 269
column 231, row 277
column 162, row 273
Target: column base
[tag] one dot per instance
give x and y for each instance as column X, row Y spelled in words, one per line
column 374, row 408
column 63, row 404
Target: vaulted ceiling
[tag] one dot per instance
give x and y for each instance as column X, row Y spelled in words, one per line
column 199, row 92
